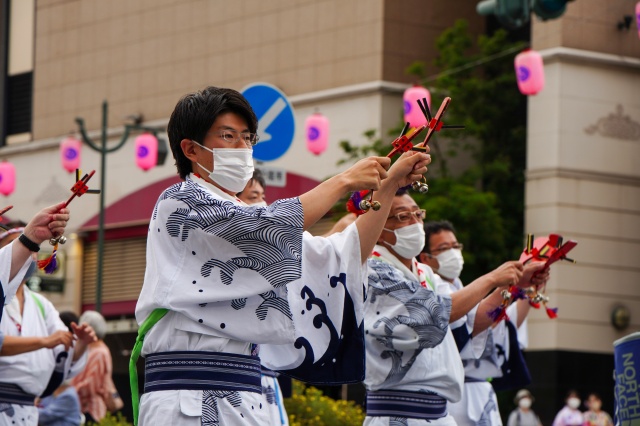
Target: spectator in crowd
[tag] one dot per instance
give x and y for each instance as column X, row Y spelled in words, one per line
column 523, row 415
column 594, row 416
column 94, row 385
column 570, row 414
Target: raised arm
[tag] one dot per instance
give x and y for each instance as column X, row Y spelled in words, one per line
column 47, row 223
column 409, row 168
column 465, row 299
column 367, row 173
column 528, row 277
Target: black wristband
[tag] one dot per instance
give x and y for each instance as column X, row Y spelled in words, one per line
column 28, row 243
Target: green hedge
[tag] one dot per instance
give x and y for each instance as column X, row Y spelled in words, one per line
column 309, row 407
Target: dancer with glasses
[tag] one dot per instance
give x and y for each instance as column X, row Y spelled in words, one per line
column 483, row 345
column 229, row 285
column 413, row 365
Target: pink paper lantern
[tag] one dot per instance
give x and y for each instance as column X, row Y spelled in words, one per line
column 70, row 149
column 316, row 128
column 146, row 151
column 7, row 178
column 529, row 72
column 638, row 17
column 412, row 112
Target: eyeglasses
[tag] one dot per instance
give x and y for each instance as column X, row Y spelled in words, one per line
column 440, row 249
column 232, row 136
column 406, row 216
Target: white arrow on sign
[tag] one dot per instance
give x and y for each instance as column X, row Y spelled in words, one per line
column 265, row 121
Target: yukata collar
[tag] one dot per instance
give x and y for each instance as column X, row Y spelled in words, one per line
column 417, row 270
column 214, row 189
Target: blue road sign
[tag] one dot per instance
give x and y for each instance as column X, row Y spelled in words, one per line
column 276, row 125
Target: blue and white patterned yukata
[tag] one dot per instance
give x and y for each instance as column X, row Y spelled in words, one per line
column 412, row 359
column 482, row 357
column 241, row 281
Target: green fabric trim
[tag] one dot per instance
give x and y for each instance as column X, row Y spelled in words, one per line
column 40, row 305
column 151, row 320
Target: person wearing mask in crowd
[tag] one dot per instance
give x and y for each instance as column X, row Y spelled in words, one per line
column 37, row 373
column 594, row 416
column 253, row 193
column 570, row 414
column 16, row 260
column 226, row 282
column 523, row 415
column 413, row 365
column 95, row 384
column 483, row 344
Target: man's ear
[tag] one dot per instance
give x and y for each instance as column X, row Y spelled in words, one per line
column 428, row 260
column 189, row 150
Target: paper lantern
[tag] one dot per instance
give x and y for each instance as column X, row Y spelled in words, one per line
column 412, row 112
column 529, row 72
column 7, row 178
column 316, row 128
column 70, row 149
column 146, row 151
column 638, row 17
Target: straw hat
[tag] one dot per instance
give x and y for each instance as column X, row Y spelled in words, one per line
column 523, row 393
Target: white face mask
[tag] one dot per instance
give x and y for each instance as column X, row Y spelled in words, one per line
column 232, row 168
column 573, row 403
column 409, row 240
column 524, row 403
column 450, row 263
column 259, row 204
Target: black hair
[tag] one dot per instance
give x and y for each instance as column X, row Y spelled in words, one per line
column 194, row 115
column 434, row 227
column 257, row 177
column 68, row 317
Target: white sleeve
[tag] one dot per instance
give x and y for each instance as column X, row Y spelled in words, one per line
column 9, row 287
column 327, row 307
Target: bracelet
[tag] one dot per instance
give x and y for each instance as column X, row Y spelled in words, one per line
column 28, row 243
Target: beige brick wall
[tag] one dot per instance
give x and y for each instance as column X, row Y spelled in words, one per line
column 583, row 144
column 143, row 55
column 590, row 25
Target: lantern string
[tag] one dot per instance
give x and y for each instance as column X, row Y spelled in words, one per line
column 476, row 63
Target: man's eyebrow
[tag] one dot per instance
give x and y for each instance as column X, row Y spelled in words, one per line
column 223, row 127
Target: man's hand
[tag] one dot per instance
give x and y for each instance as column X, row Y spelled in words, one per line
column 367, row 173
column 409, row 168
column 534, row 274
column 58, row 338
column 507, row 274
column 84, row 333
column 47, row 223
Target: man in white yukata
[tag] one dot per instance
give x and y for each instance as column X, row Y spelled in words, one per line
column 483, row 345
column 413, row 364
column 40, row 351
column 226, row 282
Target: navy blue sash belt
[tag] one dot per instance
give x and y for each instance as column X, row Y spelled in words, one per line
column 473, row 380
column 268, row 372
column 13, row 394
column 414, row 405
column 191, row 370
